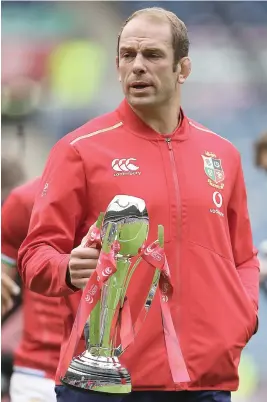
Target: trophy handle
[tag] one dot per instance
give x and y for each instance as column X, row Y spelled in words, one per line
column 100, row 220
column 156, row 277
column 161, row 235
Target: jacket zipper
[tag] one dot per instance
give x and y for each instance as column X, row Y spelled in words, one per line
column 179, row 386
column 175, row 179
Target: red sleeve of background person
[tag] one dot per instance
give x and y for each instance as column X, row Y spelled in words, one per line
column 241, row 237
column 63, row 203
column 16, row 212
column 42, row 317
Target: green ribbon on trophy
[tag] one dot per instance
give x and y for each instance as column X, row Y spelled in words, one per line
column 122, row 232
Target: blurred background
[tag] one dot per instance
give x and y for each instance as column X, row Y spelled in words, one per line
column 58, row 71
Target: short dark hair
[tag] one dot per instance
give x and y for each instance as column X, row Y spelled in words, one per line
column 180, row 41
column 260, row 146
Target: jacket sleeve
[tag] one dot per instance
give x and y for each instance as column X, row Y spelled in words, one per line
column 14, row 226
column 245, row 255
column 58, row 211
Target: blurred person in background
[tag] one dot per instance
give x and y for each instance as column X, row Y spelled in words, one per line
column 261, row 163
column 12, row 175
column 261, row 152
column 215, row 308
column 36, row 358
column 263, row 262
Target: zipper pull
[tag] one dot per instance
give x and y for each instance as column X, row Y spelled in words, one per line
column 168, row 140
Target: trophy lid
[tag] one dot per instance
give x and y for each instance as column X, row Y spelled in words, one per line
column 130, row 217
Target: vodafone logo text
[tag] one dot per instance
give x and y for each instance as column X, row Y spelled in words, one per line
column 125, row 167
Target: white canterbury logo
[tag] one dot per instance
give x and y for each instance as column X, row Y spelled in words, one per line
column 125, row 167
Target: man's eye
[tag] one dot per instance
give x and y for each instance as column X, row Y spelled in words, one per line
column 154, row 55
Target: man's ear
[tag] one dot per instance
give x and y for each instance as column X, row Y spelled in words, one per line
column 117, row 65
column 184, row 69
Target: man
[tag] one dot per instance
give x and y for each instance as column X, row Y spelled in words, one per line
column 192, row 182
column 37, row 355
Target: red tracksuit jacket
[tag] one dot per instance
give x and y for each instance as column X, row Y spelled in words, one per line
column 192, row 183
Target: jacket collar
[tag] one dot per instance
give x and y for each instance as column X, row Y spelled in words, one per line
column 138, row 127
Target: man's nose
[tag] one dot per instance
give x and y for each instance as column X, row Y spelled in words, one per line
column 139, row 65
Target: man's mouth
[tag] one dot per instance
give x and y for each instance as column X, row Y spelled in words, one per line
column 140, row 85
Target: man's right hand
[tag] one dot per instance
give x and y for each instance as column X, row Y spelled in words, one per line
column 9, row 289
column 83, row 262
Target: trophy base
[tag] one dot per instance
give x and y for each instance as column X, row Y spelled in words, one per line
column 98, row 373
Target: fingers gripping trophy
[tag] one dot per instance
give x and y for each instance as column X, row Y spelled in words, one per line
column 122, row 232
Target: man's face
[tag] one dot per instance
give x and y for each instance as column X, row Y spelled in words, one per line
column 145, row 63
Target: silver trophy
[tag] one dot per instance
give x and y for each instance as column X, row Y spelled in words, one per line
column 98, row 368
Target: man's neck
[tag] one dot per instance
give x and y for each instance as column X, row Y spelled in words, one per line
column 162, row 120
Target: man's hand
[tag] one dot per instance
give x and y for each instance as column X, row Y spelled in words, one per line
column 8, row 289
column 83, row 262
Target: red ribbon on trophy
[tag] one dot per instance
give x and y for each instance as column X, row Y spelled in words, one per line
column 155, row 256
